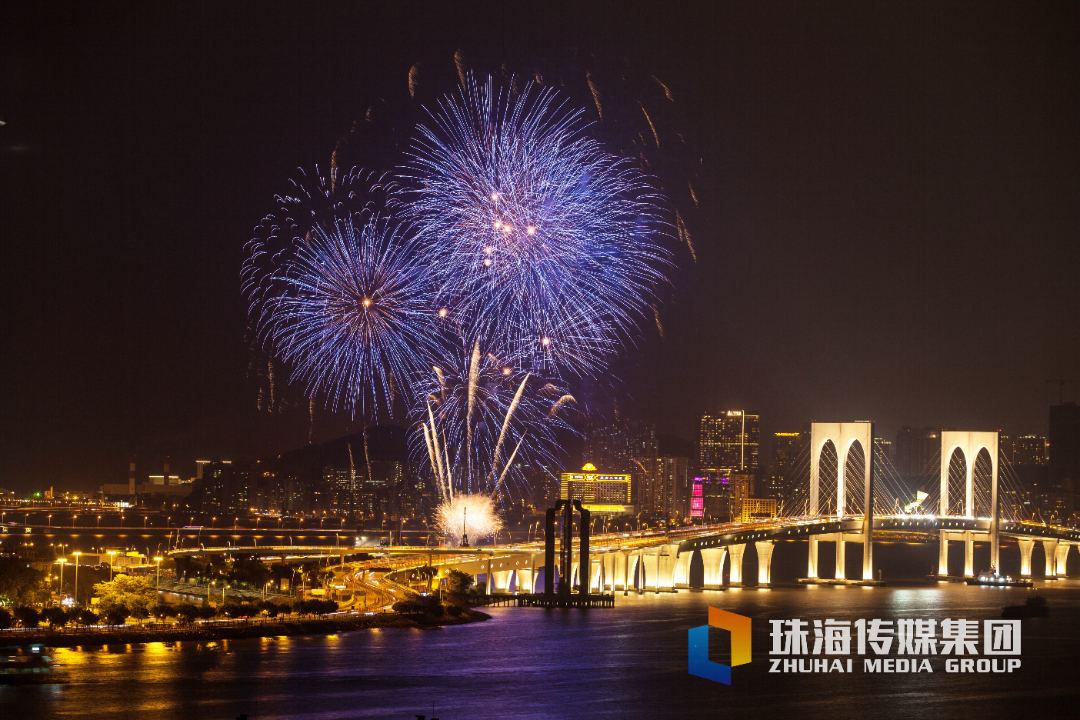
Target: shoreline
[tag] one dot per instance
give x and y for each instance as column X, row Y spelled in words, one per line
column 212, row 631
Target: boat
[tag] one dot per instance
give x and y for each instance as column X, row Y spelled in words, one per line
column 25, row 664
column 992, row 578
column 1035, row 606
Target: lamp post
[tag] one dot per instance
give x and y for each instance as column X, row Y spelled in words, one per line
column 121, row 522
column 99, row 521
column 50, row 520
column 158, row 561
column 111, row 554
column 76, row 554
column 212, row 521
column 73, row 521
column 61, row 561
column 144, row 519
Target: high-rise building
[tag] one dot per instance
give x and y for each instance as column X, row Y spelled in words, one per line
column 1029, row 450
column 608, row 446
column 786, row 448
column 599, row 492
column 916, row 450
column 672, row 492
column 1064, row 458
column 729, row 440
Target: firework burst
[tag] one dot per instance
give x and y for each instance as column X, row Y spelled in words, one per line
column 476, row 514
column 351, row 313
column 546, row 244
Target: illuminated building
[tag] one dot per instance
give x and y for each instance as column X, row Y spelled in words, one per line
column 1029, row 450
column 603, row 493
column 786, row 447
column 916, row 450
column 697, row 498
column 729, row 440
column 758, row 509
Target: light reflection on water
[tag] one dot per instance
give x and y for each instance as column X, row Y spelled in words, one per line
column 629, row 662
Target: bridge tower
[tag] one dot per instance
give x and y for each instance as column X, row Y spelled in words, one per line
column 843, row 436
column 969, row 443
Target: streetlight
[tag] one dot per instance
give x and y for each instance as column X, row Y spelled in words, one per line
column 73, row 521
column 76, row 554
column 99, row 521
column 62, row 561
column 50, row 520
column 212, row 521
column 110, row 554
column 121, row 522
column 158, row 561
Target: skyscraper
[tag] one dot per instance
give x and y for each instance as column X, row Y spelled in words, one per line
column 915, row 450
column 1029, row 450
column 729, row 440
column 786, row 447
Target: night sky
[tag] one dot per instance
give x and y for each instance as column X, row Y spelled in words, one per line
column 889, row 202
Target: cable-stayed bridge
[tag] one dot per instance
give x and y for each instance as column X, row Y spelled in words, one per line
column 975, row 497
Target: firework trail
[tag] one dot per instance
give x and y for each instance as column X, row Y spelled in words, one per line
column 351, row 313
column 476, row 406
column 544, row 243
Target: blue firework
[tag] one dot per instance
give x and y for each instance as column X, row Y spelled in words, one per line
column 544, row 243
column 351, row 312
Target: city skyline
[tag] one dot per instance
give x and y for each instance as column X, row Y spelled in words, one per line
column 863, row 276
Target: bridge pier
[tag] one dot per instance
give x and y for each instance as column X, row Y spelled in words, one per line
column 1026, row 546
column 502, row 580
column 812, row 562
column 841, row 557
column 609, row 571
column 1062, row 557
column 667, row 559
column 681, row 575
column 651, row 567
column 596, row 571
column 764, row 562
column 712, row 560
column 525, row 579
column 943, row 554
column 1050, row 551
column 969, row 554
column 736, row 552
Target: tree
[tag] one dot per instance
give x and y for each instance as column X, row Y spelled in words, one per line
column 5, row 619
column 116, row 615
column 159, row 610
column 186, row 612
column 27, row 616
column 135, row 594
column 458, row 583
column 270, row 608
column 55, row 616
column 23, row 585
column 87, row 617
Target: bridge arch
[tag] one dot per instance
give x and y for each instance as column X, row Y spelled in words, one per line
column 843, row 436
column 972, row 445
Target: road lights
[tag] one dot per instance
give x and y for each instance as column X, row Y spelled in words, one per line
column 158, row 561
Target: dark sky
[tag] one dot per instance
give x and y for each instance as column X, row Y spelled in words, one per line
column 890, row 196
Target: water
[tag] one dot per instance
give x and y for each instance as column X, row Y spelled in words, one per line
column 630, row 662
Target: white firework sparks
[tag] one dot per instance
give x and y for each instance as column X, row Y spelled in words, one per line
column 475, row 513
